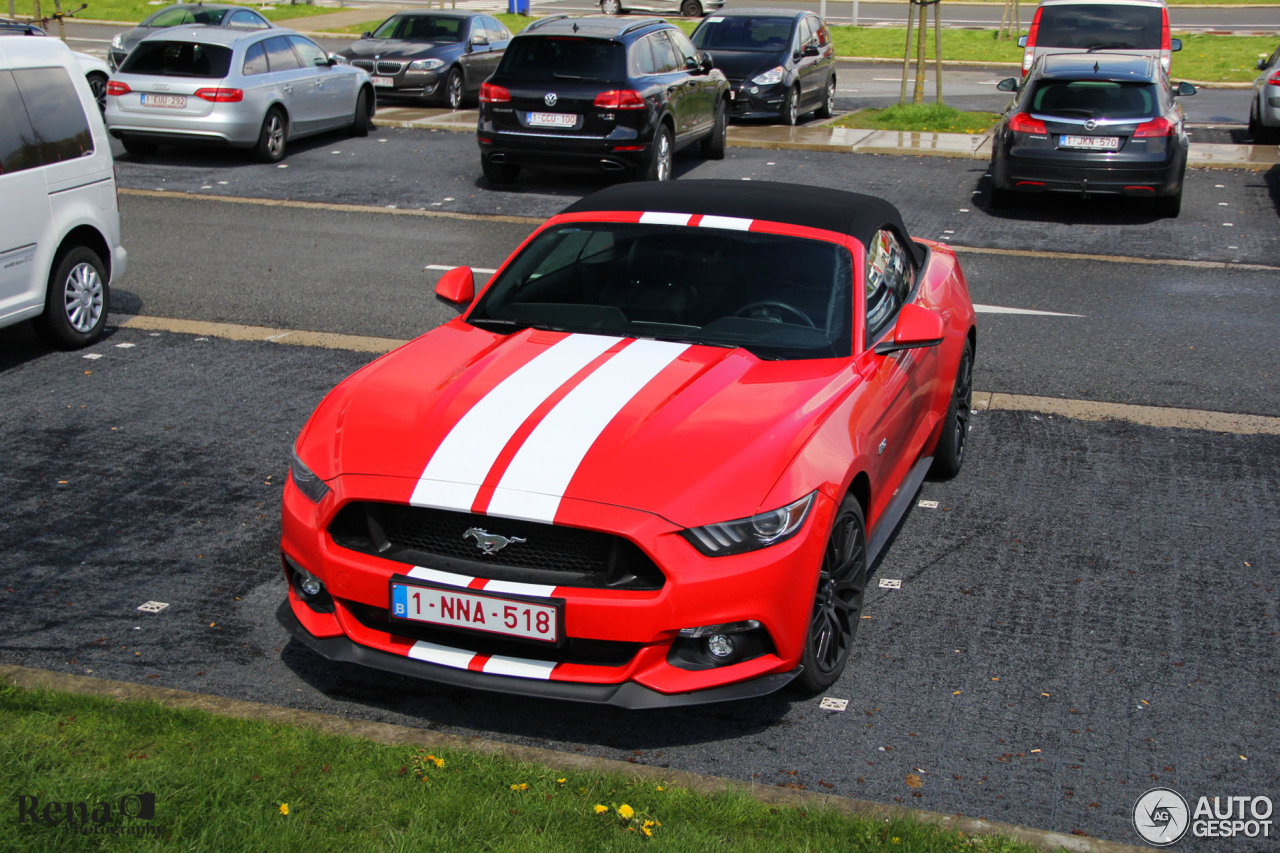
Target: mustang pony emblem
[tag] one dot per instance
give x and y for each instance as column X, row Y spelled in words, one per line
column 489, row 543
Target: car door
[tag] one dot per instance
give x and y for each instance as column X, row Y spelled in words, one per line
column 296, row 85
column 334, row 89
column 489, row 54
column 698, row 89
column 896, row 394
column 807, row 67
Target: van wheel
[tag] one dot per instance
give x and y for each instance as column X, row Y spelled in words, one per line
column 138, row 148
column 271, row 141
column 75, row 307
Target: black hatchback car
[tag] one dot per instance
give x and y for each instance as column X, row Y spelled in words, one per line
column 600, row 94
column 1092, row 124
column 779, row 63
column 438, row 57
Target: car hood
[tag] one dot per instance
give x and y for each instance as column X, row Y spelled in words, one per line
column 131, row 37
column 395, row 49
column 743, row 64
column 515, row 425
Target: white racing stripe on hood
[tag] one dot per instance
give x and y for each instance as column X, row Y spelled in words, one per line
column 459, row 465
column 534, row 483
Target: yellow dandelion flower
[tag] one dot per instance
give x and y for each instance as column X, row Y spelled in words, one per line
column 648, row 833
column 650, row 824
column 626, row 812
column 561, row 781
column 660, row 788
column 520, row 786
column 601, row 809
column 284, row 808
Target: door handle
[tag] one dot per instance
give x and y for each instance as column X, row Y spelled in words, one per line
column 287, row 88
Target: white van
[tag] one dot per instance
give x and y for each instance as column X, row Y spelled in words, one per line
column 59, row 215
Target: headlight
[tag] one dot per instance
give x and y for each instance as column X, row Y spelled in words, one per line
column 117, row 41
column 425, row 64
column 305, row 479
column 751, row 534
column 772, row 76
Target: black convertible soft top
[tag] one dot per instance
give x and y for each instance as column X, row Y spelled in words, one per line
column 855, row 214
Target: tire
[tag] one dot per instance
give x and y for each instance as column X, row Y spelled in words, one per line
column 1002, row 199
column 828, row 108
column 611, row 7
column 363, row 118
column 837, row 605
column 691, row 9
column 75, row 307
column 499, row 173
column 137, row 148
column 272, row 140
column 791, row 107
column 1170, row 206
column 98, row 85
column 713, row 146
column 1260, row 133
column 454, row 90
column 948, row 456
column 660, row 155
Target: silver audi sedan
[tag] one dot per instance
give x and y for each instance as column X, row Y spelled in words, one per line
column 253, row 90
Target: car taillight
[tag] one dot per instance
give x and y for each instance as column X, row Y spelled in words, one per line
column 1166, row 41
column 220, row 95
column 1024, row 123
column 620, row 99
column 1030, row 53
column 115, row 87
column 492, row 94
column 1159, row 126
column 1274, row 79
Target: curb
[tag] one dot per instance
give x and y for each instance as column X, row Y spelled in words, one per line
column 387, row 733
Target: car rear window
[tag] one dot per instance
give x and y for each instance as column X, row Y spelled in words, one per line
column 178, row 59
column 1094, row 99
column 563, row 58
column 741, row 32
column 1086, row 25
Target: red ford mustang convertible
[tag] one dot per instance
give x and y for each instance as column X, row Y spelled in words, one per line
column 653, row 461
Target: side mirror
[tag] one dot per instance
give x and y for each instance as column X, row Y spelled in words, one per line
column 1262, row 64
column 917, row 328
column 1008, row 84
column 1184, row 88
column 1022, row 41
column 366, row 34
column 1175, row 44
column 706, row 62
column 479, row 41
column 809, row 50
column 458, row 285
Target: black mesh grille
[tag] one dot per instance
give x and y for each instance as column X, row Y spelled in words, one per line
column 572, row 650
column 563, row 556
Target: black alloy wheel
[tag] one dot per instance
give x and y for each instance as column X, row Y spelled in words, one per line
column 453, row 89
column 948, row 456
column 713, row 147
column 660, row 155
column 791, row 107
column 828, row 108
column 837, row 605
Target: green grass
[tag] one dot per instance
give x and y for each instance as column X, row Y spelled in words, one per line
column 226, row 784
column 132, row 11
column 938, row 118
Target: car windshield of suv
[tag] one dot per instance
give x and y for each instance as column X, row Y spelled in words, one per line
column 763, row 34
column 178, row 59
column 1093, row 99
column 421, row 28
column 776, row 296
column 563, row 58
column 1084, row 25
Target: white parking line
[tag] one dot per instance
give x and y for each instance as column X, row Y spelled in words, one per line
column 999, row 309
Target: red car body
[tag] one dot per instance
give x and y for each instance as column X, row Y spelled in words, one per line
column 578, row 483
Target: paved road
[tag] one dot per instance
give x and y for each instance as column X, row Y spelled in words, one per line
column 1089, row 610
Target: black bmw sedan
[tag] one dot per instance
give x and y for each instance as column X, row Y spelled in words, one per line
column 438, row 57
column 780, row 63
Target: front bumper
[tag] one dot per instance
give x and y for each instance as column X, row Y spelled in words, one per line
column 621, row 645
column 752, row 101
column 411, row 84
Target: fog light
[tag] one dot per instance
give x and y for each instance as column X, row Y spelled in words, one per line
column 720, row 646
column 310, row 585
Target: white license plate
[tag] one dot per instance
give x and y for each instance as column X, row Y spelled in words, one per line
column 1093, row 143
column 383, row 81
column 169, row 102
column 552, row 119
column 455, row 608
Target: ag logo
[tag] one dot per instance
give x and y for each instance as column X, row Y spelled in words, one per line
column 1161, row 817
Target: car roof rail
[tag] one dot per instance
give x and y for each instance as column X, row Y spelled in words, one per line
column 538, row 23
column 643, row 22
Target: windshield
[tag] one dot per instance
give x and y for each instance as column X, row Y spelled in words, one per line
column 1094, row 99
column 740, row 32
column 421, row 28
column 777, row 296
column 563, row 58
column 179, row 16
column 1085, row 25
